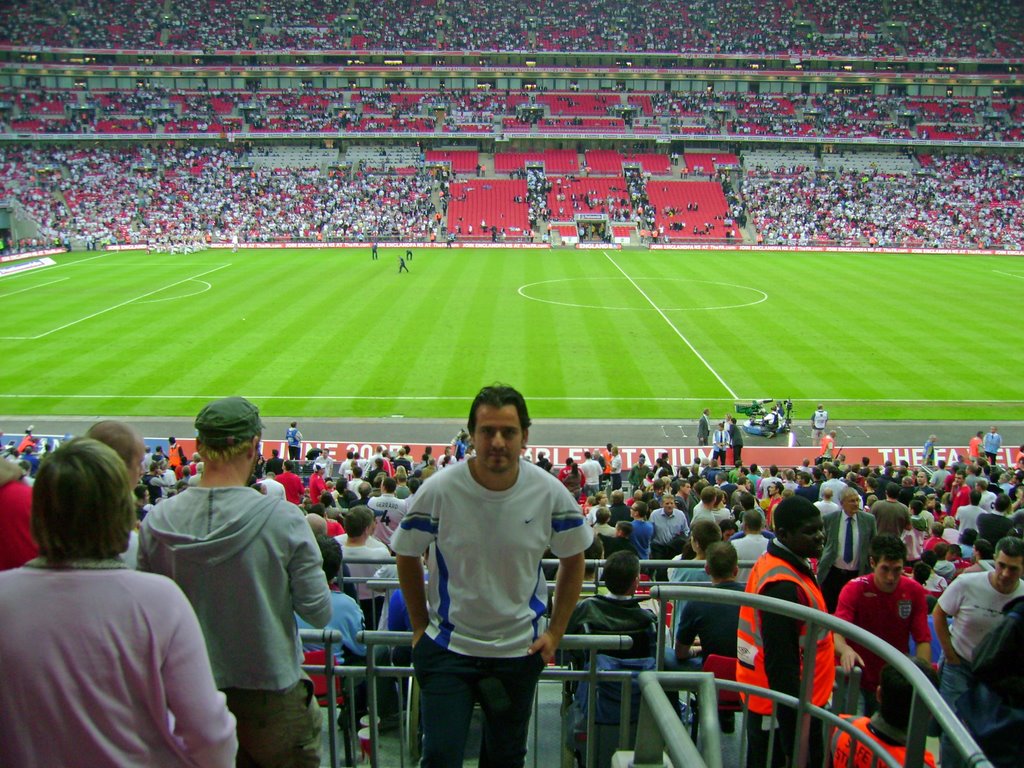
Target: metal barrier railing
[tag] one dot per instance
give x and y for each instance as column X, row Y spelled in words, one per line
column 926, row 702
column 328, row 638
column 660, row 730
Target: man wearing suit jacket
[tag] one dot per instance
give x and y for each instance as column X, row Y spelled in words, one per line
column 704, row 427
column 848, row 534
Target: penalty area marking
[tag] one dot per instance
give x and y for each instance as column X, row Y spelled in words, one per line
column 33, row 287
column 113, row 307
column 52, row 267
column 184, row 295
column 523, row 292
column 672, row 325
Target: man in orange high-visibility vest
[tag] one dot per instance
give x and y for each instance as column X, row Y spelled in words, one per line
column 887, row 727
column 769, row 651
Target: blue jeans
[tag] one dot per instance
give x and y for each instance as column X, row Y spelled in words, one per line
column 954, row 681
column 450, row 684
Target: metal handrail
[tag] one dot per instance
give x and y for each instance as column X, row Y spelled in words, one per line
column 328, row 638
column 925, row 705
column 925, row 701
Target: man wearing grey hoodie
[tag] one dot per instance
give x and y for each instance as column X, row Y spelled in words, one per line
column 246, row 562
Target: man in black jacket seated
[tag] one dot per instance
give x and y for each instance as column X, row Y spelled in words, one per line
column 619, row 612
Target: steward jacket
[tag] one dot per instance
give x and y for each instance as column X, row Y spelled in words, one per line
column 779, row 573
column 863, row 755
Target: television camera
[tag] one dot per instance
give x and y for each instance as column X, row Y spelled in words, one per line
column 764, row 419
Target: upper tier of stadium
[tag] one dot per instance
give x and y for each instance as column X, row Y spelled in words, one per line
column 404, row 110
column 871, row 28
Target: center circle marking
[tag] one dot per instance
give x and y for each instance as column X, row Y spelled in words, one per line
column 761, row 295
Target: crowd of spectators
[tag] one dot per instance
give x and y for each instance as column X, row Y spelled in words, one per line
column 307, row 109
column 870, row 28
column 89, row 517
column 537, row 189
column 150, row 195
column 955, row 201
column 139, row 195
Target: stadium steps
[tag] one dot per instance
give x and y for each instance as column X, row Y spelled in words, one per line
column 59, row 197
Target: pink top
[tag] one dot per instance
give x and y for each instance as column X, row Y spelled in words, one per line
column 106, row 668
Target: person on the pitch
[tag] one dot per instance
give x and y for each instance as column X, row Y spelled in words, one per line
column 401, row 265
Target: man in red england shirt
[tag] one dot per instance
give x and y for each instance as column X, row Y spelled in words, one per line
column 292, row 483
column 890, row 606
column 317, row 485
column 974, row 447
column 959, row 493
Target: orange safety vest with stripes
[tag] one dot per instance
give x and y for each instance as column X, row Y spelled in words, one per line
column 863, row 755
column 750, row 667
column 174, row 456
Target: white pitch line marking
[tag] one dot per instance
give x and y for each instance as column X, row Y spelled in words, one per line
column 126, row 303
column 51, row 267
column 76, row 262
column 183, row 296
column 461, row 398
column 671, row 325
column 33, row 287
column 1008, row 274
column 522, row 292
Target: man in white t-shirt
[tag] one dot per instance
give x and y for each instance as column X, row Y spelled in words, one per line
column 357, row 543
column 753, row 543
column 975, row 602
column 833, row 480
column 388, row 509
column 967, row 515
column 988, row 499
column 616, row 467
column 271, row 487
column 478, row 624
column 827, row 504
column 591, row 469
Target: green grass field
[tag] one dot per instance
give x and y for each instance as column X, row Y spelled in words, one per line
column 628, row 334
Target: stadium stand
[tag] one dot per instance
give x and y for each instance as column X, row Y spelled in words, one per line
column 603, row 161
column 451, row 106
column 357, row 111
column 154, row 197
column 689, row 210
column 654, row 164
column 707, row 163
column 488, row 209
column 960, row 201
column 797, row 27
column 553, row 160
column 581, row 104
column 460, row 161
column 570, row 196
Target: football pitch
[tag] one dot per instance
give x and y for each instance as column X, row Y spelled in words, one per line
column 616, row 334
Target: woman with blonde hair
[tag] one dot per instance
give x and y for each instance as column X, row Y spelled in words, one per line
column 402, row 478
